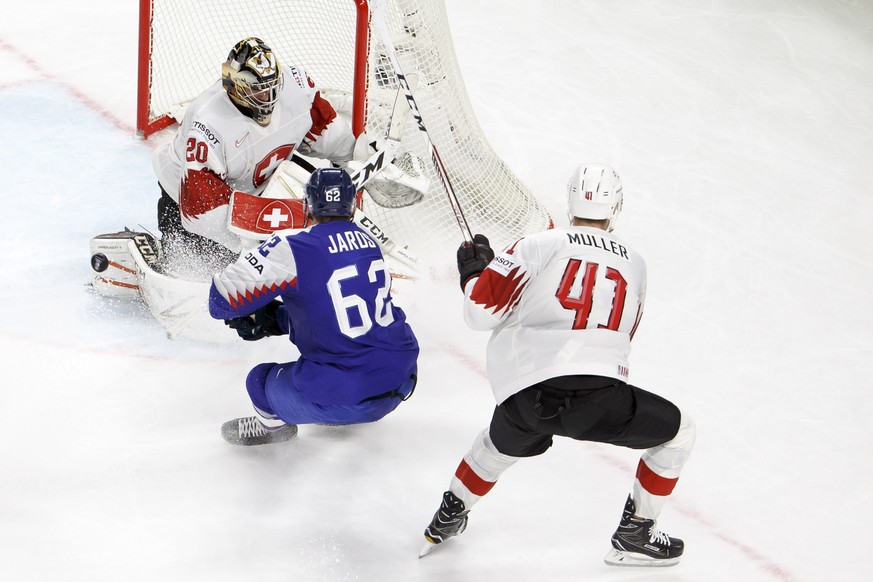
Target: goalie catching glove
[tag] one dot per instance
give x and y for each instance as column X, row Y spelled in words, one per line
column 402, row 183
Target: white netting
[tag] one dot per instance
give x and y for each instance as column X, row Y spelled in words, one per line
column 191, row 38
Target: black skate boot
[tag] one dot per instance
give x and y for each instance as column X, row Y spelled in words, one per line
column 249, row 431
column 637, row 542
column 449, row 521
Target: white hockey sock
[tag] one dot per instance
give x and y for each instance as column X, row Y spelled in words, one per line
column 659, row 469
column 479, row 470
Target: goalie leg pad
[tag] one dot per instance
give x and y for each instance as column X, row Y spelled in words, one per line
column 115, row 270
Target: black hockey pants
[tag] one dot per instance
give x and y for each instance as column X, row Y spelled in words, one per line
column 179, row 244
column 586, row 408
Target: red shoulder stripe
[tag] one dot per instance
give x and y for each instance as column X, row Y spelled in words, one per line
column 498, row 292
column 322, row 113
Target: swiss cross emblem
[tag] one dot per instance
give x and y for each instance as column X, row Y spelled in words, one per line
column 276, row 215
column 268, row 164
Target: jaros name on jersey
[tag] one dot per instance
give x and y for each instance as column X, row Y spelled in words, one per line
column 353, row 240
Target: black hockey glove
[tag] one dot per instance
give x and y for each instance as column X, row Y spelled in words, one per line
column 260, row 324
column 473, row 258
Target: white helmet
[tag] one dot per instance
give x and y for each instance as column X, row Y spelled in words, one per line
column 594, row 192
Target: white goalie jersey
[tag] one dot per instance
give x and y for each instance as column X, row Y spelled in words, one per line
column 561, row 302
column 218, row 150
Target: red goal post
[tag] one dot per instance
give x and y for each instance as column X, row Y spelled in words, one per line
column 178, row 38
column 182, row 44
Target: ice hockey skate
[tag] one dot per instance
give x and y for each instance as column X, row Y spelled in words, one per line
column 637, row 542
column 449, row 521
column 249, row 431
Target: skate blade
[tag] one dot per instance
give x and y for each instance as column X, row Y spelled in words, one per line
column 619, row 558
column 230, row 434
column 427, row 548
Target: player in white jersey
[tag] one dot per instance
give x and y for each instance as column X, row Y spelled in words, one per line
column 233, row 137
column 563, row 306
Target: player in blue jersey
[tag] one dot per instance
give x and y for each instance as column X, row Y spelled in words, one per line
column 327, row 288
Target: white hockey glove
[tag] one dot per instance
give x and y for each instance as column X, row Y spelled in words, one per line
column 402, row 183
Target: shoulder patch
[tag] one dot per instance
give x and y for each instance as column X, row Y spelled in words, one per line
column 502, row 263
column 209, row 136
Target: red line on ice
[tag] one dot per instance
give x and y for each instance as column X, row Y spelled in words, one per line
column 48, row 76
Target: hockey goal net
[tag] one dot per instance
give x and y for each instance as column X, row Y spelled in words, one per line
column 184, row 42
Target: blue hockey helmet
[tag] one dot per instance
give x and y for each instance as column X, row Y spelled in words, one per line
column 330, row 192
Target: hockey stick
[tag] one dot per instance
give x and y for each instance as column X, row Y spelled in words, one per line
column 379, row 17
column 380, row 159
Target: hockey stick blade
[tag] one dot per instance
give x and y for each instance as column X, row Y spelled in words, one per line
column 375, row 163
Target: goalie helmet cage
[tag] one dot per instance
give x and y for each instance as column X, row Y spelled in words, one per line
column 184, row 42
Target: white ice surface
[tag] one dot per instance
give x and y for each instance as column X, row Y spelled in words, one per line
column 744, row 134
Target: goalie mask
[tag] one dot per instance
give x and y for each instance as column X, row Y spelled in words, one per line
column 253, row 79
column 594, row 193
column 330, row 192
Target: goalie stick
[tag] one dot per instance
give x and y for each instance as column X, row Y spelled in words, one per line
column 380, row 19
column 380, row 159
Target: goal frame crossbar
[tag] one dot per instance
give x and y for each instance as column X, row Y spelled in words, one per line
column 145, row 126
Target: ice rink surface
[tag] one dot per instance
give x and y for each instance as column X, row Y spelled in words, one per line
column 743, row 132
